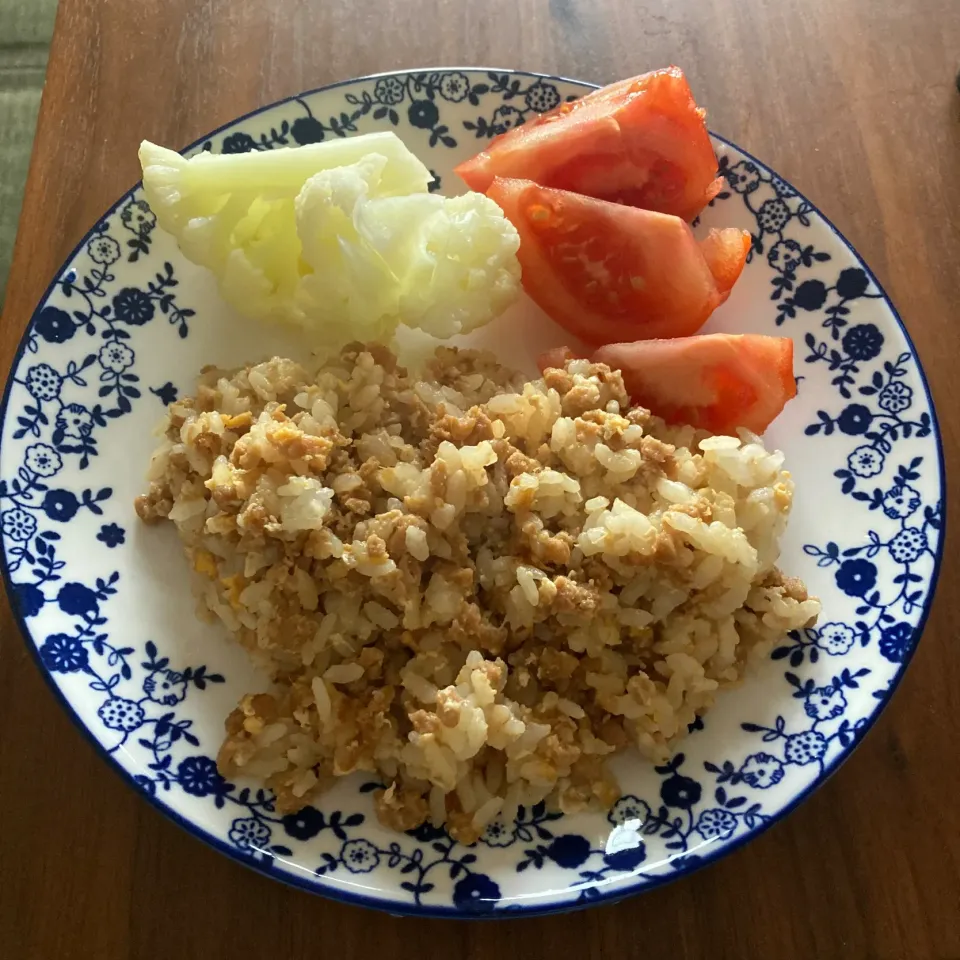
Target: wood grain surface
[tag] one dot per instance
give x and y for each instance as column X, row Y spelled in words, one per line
column 854, row 102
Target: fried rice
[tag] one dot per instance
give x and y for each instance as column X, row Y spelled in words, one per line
column 475, row 589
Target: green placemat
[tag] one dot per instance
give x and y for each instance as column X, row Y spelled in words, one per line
column 26, row 27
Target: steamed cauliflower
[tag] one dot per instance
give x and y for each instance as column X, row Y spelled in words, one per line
column 341, row 238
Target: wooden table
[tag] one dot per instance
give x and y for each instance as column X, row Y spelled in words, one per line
column 852, row 100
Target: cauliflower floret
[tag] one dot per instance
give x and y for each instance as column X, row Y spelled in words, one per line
column 341, row 238
column 464, row 269
column 350, row 284
column 179, row 189
column 444, row 265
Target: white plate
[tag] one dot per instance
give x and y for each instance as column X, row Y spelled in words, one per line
column 104, row 603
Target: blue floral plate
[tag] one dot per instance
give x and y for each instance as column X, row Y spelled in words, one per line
column 104, row 603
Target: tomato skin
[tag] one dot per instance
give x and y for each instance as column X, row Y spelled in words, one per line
column 726, row 254
column 717, row 382
column 640, row 142
column 608, row 273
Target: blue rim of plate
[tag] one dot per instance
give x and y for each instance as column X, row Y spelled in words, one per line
column 401, row 909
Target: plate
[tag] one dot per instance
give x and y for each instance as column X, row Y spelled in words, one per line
column 104, row 602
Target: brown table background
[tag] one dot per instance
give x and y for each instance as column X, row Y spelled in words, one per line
column 854, row 102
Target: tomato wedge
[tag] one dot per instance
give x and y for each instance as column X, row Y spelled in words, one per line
column 609, row 273
column 640, row 142
column 725, row 252
column 717, row 382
